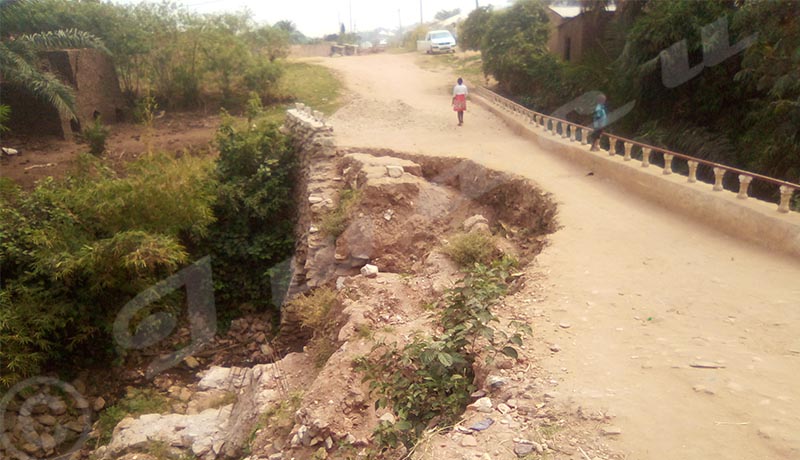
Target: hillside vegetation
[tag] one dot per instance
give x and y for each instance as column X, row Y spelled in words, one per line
column 743, row 111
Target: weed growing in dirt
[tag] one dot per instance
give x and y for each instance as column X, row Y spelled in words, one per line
column 467, row 249
column 428, row 381
column 163, row 451
column 335, row 221
column 254, row 107
column 277, row 420
column 145, row 113
column 315, row 311
column 313, row 308
column 364, row 331
column 136, row 402
column 95, row 135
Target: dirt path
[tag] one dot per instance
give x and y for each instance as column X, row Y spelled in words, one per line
column 645, row 292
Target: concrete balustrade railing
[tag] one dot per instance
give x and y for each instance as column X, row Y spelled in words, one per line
column 575, row 132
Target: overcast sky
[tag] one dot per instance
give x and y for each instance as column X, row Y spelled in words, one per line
column 320, row 17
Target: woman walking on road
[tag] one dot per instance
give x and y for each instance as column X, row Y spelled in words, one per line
column 460, row 100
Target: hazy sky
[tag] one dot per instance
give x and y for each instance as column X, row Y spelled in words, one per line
column 320, row 17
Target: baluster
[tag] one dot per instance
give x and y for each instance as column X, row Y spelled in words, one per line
column 612, row 146
column 627, row 146
column 646, row 151
column 744, row 184
column 786, row 198
column 564, row 129
column 719, row 173
column 668, row 164
column 584, row 136
column 692, row 171
column 572, row 133
column 553, row 128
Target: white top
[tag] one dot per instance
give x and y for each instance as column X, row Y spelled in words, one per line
column 460, row 89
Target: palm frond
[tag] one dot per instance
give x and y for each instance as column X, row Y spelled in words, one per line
column 62, row 39
column 44, row 86
column 47, row 87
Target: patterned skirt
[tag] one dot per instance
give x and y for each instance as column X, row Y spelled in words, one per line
column 460, row 103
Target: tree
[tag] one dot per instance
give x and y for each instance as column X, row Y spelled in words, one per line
column 445, row 14
column 253, row 209
column 472, row 30
column 770, row 69
column 515, row 42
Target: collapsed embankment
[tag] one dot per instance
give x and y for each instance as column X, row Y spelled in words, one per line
column 373, row 229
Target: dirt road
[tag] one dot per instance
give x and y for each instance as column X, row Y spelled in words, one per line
column 645, row 292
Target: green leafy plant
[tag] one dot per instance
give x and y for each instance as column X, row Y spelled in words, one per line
column 254, row 107
column 254, row 211
column 95, row 135
column 74, row 251
column 428, row 381
column 5, row 115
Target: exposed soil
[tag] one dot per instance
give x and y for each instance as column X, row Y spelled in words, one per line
column 646, row 294
column 50, row 156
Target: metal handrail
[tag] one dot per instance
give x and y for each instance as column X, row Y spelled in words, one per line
column 786, row 188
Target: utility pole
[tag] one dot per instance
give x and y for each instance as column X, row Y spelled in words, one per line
column 399, row 20
column 420, row 12
column 351, row 16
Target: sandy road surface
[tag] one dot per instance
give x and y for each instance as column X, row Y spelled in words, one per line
column 645, row 292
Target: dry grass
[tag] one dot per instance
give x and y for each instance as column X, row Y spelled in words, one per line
column 467, row 249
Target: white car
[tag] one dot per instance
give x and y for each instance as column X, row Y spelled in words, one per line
column 437, row 41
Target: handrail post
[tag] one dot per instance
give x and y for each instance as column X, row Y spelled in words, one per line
column 584, row 136
column 553, row 129
column 612, row 146
column 627, row 146
column 572, row 133
column 744, row 184
column 646, row 151
column 786, row 197
column 668, row 164
column 719, row 173
column 564, row 127
column 692, row 171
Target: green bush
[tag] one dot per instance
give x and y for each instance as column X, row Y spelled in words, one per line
column 467, row 249
column 254, row 211
column 95, row 135
column 472, row 30
column 515, row 39
column 74, row 251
